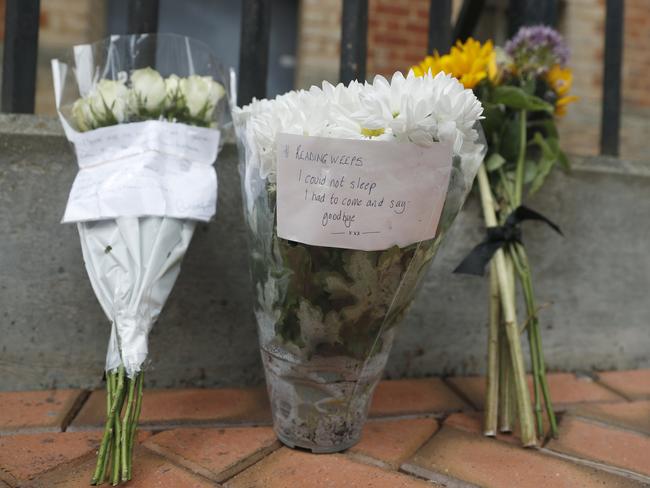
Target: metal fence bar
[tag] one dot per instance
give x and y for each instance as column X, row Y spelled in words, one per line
column 531, row 12
column 354, row 40
column 439, row 26
column 142, row 16
column 20, row 55
column 612, row 66
column 254, row 50
column 468, row 18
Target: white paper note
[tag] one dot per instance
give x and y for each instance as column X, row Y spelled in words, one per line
column 151, row 168
column 359, row 194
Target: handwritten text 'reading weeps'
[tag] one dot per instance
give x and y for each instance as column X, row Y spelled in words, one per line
column 356, row 194
column 327, row 158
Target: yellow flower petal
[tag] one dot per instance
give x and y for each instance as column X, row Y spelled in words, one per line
column 468, row 61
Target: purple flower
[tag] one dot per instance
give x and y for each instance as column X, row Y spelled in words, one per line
column 537, row 48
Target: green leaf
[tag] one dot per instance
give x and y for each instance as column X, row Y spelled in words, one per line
column 530, row 171
column 546, row 125
column 510, row 136
column 517, row 98
column 494, row 119
column 530, row 86
column 564, row 161
column 548, row 158
column 494, row 162
column 316, row 329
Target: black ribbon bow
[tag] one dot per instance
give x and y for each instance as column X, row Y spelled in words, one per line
column 497, row 237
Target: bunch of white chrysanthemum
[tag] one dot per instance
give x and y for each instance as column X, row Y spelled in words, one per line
column 421, row 110
column 146, row 95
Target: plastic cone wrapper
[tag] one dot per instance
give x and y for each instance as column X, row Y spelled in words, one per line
column 132, row 264
column 348, row 193
column 144, row 114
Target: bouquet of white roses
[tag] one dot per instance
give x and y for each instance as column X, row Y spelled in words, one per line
column 145, row 144
column 348, row 191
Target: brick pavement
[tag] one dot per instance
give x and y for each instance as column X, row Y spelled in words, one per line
column 424, row 432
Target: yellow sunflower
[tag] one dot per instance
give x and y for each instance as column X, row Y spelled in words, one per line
column 560, row 80
column 470, row 62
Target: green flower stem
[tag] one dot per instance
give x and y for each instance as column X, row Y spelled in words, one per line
column 534, row 331
column 98, row 475
column 521, row 161
column 532, row 339
column 490, row 422
column 136, row 418
column 117, row 410
column 510, row 318
column 110, row 393
column 506, row 388
column 126, row 430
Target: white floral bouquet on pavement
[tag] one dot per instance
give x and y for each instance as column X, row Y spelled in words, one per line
column 143, row 113
column 348, row 192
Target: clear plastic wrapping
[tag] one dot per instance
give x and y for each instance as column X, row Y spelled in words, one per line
column 327, row 316
column 144, row 114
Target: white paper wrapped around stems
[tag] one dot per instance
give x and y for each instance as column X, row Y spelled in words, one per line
column 133, row 263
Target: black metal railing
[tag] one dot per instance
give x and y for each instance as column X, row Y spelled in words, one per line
column 19, row 59
column 21, row 42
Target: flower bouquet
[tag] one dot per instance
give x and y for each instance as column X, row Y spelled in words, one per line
column 143, row 113
column 523, row 89
column 348, row 191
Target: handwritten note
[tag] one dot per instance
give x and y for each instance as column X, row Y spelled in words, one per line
column 151, row 168
column 356, row 194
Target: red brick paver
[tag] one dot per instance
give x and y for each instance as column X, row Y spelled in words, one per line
column 419, row 429
column 629, row 415
column 566, row 389
column 286, row 468
column 467, row 421
column 217, row 454
column 407, row 397
column 473, row 422
column 458, row 455
column 611, row 446
column 149, row 471
column 25, row 456
column 392, row 441
column 169, row 408
column 36, row 411
column 633, row 385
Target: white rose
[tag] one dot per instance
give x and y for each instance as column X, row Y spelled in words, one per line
column 171, row 85
column 201, row 94
column 109, row 97
column 81, row 115
column 148, row 88
column 172, row 89
column 216, row 91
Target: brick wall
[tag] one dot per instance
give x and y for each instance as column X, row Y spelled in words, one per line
column 582, row 24
column 319, row 38
column 64, row 23
column 636, row 58
column 397, row 38
column 635, row 126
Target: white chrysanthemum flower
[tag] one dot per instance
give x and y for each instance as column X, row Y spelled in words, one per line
column 420, row 110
